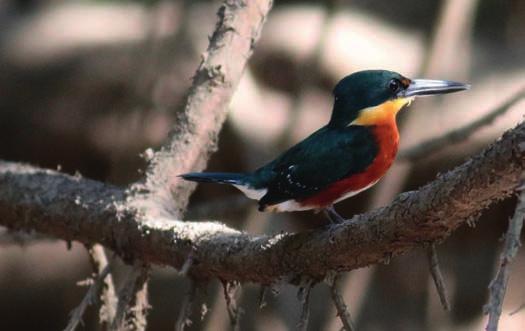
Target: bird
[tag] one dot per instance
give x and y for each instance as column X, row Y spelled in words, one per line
column 346, row 156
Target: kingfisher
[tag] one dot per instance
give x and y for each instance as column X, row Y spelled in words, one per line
column 343, row 158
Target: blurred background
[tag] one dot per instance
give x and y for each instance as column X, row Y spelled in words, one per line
column 86, row 86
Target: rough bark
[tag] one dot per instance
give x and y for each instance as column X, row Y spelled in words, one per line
column 73, row 208
column 194, row 135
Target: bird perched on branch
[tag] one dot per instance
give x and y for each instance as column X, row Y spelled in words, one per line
column 346, row 156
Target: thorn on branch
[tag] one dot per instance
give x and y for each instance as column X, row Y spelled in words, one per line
column 498, row 285
column 339, row 303
column 437, row 276
column 91, row 297
column 304, row 298
column 230, row 292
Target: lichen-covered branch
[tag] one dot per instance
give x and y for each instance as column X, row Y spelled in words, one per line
column 133, row 303
column 79, row 209
column 90, row 298
column 108, row 298
column 193, row 137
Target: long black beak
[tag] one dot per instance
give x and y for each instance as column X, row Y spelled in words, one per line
column 421, row 87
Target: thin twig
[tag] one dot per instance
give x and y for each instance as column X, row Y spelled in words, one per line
column 498, row 285
column 517, row 310
column 109, row 300
column 234, row 312
column 186, row 310
column 304, row 298
column 187, row 265
column 435, row 271
column 90, row 298
column 133, row 301
column 429, row 147
column 340, row 305
column 262, row 296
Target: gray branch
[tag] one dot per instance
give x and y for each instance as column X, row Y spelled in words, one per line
column 498, row 286
column 108, row 298
column 194, row 136
column 89, row 299
column 340, row 304
column 74, row 208
column 437, row 276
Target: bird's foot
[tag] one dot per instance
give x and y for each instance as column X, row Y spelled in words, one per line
column 333, row 216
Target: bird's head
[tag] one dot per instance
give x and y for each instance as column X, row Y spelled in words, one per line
column 372, row 96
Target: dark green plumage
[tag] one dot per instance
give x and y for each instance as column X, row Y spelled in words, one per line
column 361, row 90
column 326, row 156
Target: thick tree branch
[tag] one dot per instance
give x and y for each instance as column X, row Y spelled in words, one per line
column 194, row 135
column 73, row 208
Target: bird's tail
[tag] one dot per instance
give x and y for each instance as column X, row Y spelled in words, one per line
column 216, row 177
column 243, row 182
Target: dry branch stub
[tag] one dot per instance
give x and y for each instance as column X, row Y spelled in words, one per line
column 437, row 276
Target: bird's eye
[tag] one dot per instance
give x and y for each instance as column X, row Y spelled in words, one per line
column 394, row 85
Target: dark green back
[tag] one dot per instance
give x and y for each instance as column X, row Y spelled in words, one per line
column 328, row 155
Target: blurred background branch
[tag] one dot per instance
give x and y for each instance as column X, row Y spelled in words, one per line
column 427, row 148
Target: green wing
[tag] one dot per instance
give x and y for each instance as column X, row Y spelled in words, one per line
column 323, row 158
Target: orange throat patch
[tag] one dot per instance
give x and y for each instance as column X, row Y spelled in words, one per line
column 383, row 113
